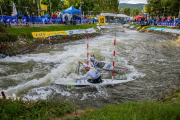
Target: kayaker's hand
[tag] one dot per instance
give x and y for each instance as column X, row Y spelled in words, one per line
column 80, row 62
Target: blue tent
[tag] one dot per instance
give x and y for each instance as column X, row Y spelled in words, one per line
column 72, row 11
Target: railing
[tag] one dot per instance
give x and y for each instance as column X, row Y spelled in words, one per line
column 163, row 23
column 14, row 20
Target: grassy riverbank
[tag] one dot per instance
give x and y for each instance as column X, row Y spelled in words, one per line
column 59, row 109
column 29, row 30
column 15, row 41
column 40, row 109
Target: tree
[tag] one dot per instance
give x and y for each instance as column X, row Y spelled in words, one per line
column 127, row 11
column 122, row 11
column 135, row 12
column 171, row 7
column 144, row 10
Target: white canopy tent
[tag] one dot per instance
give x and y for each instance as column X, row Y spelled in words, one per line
column 113, row 15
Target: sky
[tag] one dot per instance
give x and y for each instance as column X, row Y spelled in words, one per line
column 133, row 1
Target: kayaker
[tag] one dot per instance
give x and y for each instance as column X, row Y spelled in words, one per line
column 92, row 72
column 93, row 61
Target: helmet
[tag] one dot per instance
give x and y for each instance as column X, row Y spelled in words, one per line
column 87, row 68
column 92, row 58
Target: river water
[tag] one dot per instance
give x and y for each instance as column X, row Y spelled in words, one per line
column 153, row 63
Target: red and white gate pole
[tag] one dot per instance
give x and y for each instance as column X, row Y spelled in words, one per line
column 113, row 58
column 49, row 39
column 41, row 37
column 87, row 50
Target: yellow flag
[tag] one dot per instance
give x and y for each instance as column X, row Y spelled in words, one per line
column 102, row 20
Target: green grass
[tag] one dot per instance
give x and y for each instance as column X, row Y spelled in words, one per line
column 28, row 30
column 49, row 109
column 175, row 98
column 136, row 111
column 40, row 109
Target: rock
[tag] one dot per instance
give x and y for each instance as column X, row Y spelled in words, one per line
column 173, row 99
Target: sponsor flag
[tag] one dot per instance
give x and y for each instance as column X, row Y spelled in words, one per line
column 14, row 10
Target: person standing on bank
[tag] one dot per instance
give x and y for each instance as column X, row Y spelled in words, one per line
column 66, row 19
column 26, row 14
column 93, row 20
column 33, row 15
column 20, row 15
column 92, row 72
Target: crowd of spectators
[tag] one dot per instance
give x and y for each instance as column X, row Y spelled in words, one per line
column 169, row 18
column 45, row 19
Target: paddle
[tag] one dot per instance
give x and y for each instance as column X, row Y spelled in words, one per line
column 78, row 68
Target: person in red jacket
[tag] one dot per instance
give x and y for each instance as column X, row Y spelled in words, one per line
column 54, row 16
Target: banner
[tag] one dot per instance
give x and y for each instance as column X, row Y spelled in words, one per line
column 46, row 34
column 101, row 20
column 62, row 33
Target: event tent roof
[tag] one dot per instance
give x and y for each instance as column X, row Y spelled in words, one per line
column 113, row 15
column 72, row 11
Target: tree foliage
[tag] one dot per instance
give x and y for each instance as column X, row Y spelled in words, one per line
column 158, row 7
column 135, row 12
column 121, row 11
column 97, row 6
column 127, row 11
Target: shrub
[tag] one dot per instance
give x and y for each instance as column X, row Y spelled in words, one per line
column 4, row 38
column 2, row 27
column 8, row 37
column 26, row 35
column 12, row 37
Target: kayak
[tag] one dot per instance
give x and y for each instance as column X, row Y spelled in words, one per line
column 109, row 67
column 84, row 83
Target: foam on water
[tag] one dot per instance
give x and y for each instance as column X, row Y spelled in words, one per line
column 66, row 68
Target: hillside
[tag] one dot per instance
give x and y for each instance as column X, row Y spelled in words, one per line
column 132, row 6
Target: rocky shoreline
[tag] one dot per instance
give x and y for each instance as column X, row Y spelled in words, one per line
column 22, row 46
column 173, row 36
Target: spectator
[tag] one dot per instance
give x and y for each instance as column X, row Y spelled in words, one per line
column 66, row 19
column 178, row 19
column 54, row 17
column 169, row 18
column 178, row 25
column 93, row 20
column 12, row 14
column 20, row 15
column 5, row 14
column 162, row 19
column 26, row 15
column 46, row 18
column 33, row 15
column 39, row 15
column 39, row 20
column 58, row 15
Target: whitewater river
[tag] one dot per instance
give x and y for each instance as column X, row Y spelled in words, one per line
column 153, row 63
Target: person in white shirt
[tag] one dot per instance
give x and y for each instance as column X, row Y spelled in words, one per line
column 93, row 61
column 92, row 72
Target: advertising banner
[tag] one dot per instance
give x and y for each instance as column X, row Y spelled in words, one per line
column 46, row 34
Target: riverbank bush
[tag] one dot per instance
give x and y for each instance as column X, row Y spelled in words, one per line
column 136, row 111
column 6, row 37
column 40, row 109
